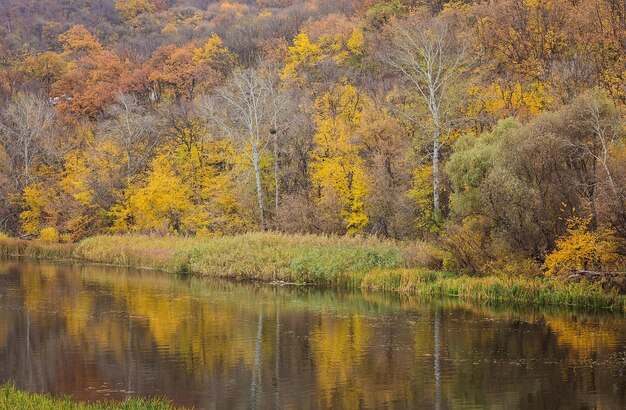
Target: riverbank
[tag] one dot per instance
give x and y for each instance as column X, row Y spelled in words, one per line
column 366, row 263
column 12, row 398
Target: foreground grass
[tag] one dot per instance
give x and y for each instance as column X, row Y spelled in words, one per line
column 12, row 398
column 365, row 263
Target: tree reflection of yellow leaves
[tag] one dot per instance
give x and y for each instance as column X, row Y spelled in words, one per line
column 44, row 291
column 164, row 312
column 33, row 287
column 338, row 345
column 201, row 333
column 584, row 335
column 112, row 336
column 77, row 313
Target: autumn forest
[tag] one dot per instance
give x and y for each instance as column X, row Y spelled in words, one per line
column 494, row 129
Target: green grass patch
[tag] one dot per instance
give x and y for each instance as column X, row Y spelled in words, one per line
column 258, row 256
column 12, row 398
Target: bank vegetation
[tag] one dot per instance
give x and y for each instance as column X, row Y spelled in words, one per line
column 413, row 268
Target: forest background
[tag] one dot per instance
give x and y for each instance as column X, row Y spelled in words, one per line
column 493, row 129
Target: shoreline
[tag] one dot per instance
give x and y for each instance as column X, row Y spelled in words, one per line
column 331, row 262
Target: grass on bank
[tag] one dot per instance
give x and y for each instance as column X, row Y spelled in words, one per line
column 323, row 260
column 12, row 398
column 11, row 247
column 542, row 291
column 367, row 263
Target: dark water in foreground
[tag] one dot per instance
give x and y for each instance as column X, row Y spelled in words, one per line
column 100, row 332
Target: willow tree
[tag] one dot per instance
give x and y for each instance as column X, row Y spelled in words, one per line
column 428, row 53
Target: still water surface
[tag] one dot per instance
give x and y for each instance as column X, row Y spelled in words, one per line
column 100, row 332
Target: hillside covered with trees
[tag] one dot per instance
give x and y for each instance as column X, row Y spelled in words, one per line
column 495, row 128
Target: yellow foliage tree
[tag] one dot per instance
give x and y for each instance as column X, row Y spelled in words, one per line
column 79, row 39
column 161, row 201
column 502, row 99
column 614, row 78
column 130, row 9
column 47, row 67
column 581, row 249
column 170, row 28
column 36, row 199
column 421, row 193
column 356, row 42
column 84, row 214
column 74, row 180
column 302, row 53
column 50, row 234
column 337, row 171
column 214, row 54
column 207, row 169
column 186, row 191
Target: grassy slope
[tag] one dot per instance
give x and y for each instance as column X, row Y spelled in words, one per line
column 11, row 398
column 331, row 261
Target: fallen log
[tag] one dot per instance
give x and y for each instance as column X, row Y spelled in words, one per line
column 585, row 273
column 608, row 280
column 591, row 273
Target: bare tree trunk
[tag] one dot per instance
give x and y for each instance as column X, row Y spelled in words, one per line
column 26, row 162
column 276, row 175
column 436, row 200
column 256, row 162
column 434, row 104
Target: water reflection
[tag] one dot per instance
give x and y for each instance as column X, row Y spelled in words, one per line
column 101, row 332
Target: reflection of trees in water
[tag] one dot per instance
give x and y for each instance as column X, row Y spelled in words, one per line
column 75, row 329
column 437, row 358
column 276, row 378
column 256, row 388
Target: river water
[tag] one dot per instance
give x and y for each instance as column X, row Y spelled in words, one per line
column 108, row 333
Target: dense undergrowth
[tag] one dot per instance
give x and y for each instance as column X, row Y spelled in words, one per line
column 333, row 261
